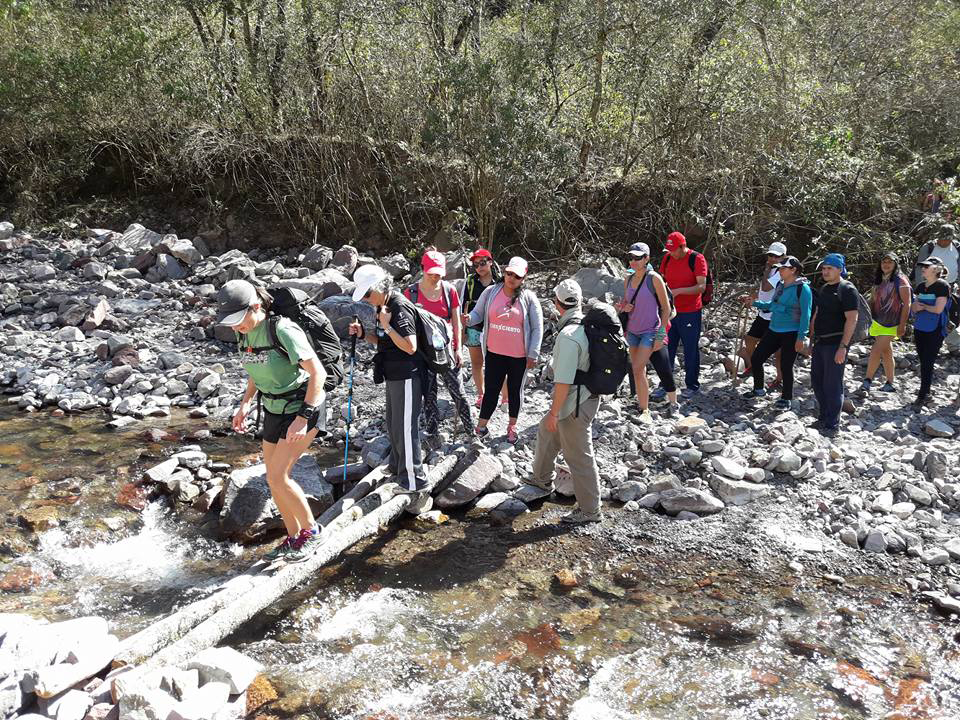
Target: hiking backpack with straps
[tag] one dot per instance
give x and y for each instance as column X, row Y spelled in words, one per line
column 433, row 338
column 296, row 305
column 609, row 358
column 707, row 296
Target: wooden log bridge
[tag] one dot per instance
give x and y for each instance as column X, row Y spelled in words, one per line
column 175, row 639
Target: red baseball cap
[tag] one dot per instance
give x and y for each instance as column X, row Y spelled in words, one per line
column 434, row 262
column 481, row 253
column 675, row 240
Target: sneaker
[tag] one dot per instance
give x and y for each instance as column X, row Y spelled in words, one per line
column 646, row 418
column 689, row 392
column 658, row 394
column 578, row 517
column 751, row 394
column 672, row 410
column 921, row 402
column 783, row 404
column 829, row 431
column 512, row 436
column 865, row 386
column 280, row 550
column 403, row 486
column 304, row 546
column 888, row 388
column 481, row 432
column 775, row 384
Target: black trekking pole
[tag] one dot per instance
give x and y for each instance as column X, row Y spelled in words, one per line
column 353, row 360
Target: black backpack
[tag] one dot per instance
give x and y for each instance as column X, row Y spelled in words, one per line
column 609, row 358
column 707, row 296
column 433, row 338
column 296, row 306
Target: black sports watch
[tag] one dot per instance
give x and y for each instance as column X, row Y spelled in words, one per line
column 306, row 411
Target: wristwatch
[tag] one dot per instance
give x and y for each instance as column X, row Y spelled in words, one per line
column 306, row 411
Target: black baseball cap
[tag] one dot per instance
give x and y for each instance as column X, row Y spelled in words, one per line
column 790, row 261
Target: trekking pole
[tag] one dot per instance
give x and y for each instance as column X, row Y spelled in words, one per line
column 353, row 360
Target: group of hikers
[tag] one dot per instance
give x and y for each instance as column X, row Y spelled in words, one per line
column 500, row 322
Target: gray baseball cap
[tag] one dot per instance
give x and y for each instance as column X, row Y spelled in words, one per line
column 234, row 300
column 639, row 249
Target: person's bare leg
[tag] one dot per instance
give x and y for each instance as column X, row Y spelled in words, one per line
column 876, row 357
column 279, row 499
column 289, row 497
column 889, row 364
column 640, row 356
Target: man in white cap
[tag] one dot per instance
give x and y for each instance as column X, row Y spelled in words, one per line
column 761, row 323
column 395, row 363
column 564, row 428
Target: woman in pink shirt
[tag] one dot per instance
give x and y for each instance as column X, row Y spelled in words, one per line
column 512, row 331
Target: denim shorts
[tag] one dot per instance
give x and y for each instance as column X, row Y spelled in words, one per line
column 474, row 337
column 646, row 339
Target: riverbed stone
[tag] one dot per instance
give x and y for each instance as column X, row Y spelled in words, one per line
column 737, row 492
column 935, row 556
column 487, row 503
column 728, row 467
column 629, row 490
column 226, row 665
column 938, row 428
column 39, row 519
column 472, row 477
column 953, row 548
column 203, row 703
column 691, row 500
column 691, row 424
column 164, row 471
column 248, row 509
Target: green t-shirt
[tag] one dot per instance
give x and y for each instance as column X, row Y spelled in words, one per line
column 271, row 371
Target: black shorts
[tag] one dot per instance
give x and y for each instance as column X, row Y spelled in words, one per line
column 759, row 328
column 275, row 426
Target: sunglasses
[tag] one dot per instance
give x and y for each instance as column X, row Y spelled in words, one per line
column 637, row 258
column 510, row 274
column 481, row 263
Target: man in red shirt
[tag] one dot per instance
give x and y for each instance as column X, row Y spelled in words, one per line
column 686, row 274
column 437, row 296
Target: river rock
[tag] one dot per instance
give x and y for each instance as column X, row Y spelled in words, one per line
column 40, row 518
column 208, row 385
column 164, row 471
column 953, row 548
column 322, row 284
column 737, row 492
column 203, row 703
column 883, row 502
column 6, row 230
column 95, row 271
column 317, row 257
column 168, row 267
column 691, row 456
column 508, row 510
column 396, row 265
column 938, row 429
column 487, row 503
column 226, row 665
column 935, row 556
column 117, row 375
column 69, row 334
column 476, row 472
column 629, row 490
column 346, row 259
column 728, row 467
column 183, row 250
column 70, row 705
column 691, row 500
column 596, row 282
column 527, row 493
column 787, row 461
column 248, row 509
column 690, row 424
column 876, row 542
column 376, row 451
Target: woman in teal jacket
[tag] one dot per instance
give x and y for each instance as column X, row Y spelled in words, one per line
column 790, row 309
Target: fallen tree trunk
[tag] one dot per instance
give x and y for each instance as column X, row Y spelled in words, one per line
column 245, row 606
column 144, row 644
column 367, row 483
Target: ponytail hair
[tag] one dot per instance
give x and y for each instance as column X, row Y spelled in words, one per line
column 264, row 298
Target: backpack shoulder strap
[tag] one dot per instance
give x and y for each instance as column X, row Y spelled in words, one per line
column 692, row 260
column 272, row 337
column 414, row 291
column 447, row 289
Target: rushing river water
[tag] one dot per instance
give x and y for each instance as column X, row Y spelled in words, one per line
column 468, row 622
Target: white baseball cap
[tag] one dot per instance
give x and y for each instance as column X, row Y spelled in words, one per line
column 517, row 265
column 777, row 248
column 365, row 278
column 568, row 292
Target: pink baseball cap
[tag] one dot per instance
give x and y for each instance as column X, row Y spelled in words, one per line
column 434, row 262
column 517, row 265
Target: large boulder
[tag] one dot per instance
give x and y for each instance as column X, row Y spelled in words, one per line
column 137, row 238
column 182, row 249
column 472, row 476
column 322, row 284
column 396, row 265
column 597, row 282
column 317, row 257
column 248, row 508
column 345, row 259
column 341, row 310
column 737, row 492
column 168, row 267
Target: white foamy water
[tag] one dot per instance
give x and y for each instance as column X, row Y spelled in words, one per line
column 155, row 557
column 373, row 614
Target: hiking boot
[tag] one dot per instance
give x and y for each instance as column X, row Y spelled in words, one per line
column 658, row 394
column 689, row 392
column 280, row 550
column 512, row 436
column 783, row 404
column 304, row 546
column 578, row 517
column 888, row 388
column 865, row 386
column 751, row 394
column 646, row 418
column 922, row 402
